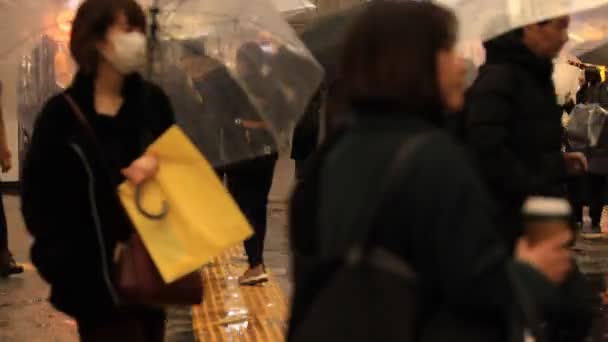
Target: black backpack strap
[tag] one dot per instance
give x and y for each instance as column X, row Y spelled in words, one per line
column 398, row 169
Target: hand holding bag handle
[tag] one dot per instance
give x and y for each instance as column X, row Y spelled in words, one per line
column 138, row 279
column 139, row 187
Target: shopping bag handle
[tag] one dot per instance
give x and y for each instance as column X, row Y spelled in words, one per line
column 138, row 204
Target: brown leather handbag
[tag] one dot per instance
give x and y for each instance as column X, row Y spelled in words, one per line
column 137, row 278
column 139, row 281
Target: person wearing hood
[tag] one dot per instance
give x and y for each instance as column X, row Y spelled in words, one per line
column 513, row 125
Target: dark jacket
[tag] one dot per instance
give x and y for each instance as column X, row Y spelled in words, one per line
column 441, row 225
column 513, row 124
column 306, row 133
column 597, row 93
column 69, row 199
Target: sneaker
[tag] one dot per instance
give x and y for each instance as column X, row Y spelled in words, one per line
column 10, row 267
column 254, row 276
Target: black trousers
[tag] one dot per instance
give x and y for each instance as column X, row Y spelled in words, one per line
column 128, row 326
column 302, row 166
column 594, row 188
column 249, row 183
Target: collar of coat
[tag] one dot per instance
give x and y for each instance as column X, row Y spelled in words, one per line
column 83, row 90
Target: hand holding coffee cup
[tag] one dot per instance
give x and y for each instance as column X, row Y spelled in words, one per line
column 548, row 233
column 545, row 217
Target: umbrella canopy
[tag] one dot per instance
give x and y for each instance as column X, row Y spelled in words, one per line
column 597, row 56
column 325, row 37
column 237, row 74
column 294, row 7
column 486, row 19
column 23, row 22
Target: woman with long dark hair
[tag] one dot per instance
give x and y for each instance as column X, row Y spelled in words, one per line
column 86, row 142
column 400, row 74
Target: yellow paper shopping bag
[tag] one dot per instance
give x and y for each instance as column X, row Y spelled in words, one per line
column 202, row 219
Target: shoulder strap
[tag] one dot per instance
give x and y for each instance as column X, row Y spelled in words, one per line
column 79, row 115
column 398, row 167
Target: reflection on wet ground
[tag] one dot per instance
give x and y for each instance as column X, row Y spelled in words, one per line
column 257, row 313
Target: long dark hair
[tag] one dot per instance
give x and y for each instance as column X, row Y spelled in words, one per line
column 390, row 56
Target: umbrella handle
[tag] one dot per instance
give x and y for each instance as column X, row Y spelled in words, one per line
column 152, row 216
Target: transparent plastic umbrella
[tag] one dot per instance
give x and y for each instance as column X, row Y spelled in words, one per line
column 588, row 31
column 486, row 19
column 250, row 75
column 238, row 77
column 24, row 22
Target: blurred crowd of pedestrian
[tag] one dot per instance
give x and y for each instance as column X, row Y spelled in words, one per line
column 423, row 210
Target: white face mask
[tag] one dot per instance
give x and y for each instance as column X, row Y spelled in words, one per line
column 129, row 51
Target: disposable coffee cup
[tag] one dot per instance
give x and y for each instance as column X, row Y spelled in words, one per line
column 545, row 216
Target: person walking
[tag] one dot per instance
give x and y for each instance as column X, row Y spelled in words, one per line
column 437, row 217
column 8, row 266
column 513, row 126
column 86, row 141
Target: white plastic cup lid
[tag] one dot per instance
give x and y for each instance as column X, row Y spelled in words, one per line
column 546, row 207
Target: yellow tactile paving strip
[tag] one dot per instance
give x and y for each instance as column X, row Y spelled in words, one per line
column 266, row 320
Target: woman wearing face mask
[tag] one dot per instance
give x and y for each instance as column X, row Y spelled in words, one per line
column 436, row 216
column 74, row 166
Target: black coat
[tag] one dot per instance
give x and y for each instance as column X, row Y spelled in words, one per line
column 69, row 198
column 306, row 133
column 513, row 124
column 441, row 225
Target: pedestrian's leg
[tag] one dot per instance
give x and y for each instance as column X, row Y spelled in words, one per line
column 265, row 175
column 243, row 191
column 300, row 168
column 145, row 325
column 3, row 230
column 598, row 189
column 576, row 193
column 154, row 326
column 8, row 266
column 242, row 188
column 250, row 188
column 115, row 329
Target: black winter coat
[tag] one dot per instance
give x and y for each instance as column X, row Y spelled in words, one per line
column 439, row 221
column 513, row 124
column 306, row 133
column 69, row 198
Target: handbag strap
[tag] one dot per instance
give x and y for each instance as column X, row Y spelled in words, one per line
column 397, row 170
column 79, row 115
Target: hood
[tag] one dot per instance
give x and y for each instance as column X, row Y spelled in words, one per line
column 510, row 49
